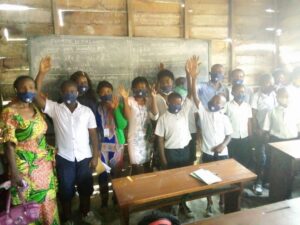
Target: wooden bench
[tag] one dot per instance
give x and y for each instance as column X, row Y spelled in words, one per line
column 169, row 187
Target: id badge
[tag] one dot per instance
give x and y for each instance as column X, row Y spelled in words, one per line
column 106, row 132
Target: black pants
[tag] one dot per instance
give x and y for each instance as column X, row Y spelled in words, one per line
column 206, row 158
column 239, row 149
column 178, row 157
column 192, row 146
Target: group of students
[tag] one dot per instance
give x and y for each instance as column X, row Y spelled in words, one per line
column 161, row 124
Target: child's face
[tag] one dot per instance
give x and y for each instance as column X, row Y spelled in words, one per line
column 70, row 89
column 175, row 101
column 283, row 99
column 174, row 105
column 238, row 76
column 268, row 86
column 140, row 86
column 82, row 81
column 26, row 85
column 105, row 91
column 280, row 79
column 238, row 91
column 165, row 82
column 216, row 103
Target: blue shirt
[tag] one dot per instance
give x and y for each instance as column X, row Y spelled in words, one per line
column 206, row 91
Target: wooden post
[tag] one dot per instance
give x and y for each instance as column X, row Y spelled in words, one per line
column 55, row 17
column 130, row 21
column 231, row 55
column 186, row 19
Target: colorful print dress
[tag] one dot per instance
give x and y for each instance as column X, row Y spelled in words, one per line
column 34, row 160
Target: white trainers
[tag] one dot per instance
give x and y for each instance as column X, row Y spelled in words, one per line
column 90, row 218
column 258, row 189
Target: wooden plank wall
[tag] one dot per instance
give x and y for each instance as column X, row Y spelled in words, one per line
column 289, row 40
column 202, row 19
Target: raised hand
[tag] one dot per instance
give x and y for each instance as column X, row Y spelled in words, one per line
column 191, row 66
column 161, row 66
column 123, row 92
column 114, row 103
column 45, row 65
column 153, row 90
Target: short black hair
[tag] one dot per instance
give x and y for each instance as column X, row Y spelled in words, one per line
column 156, row 215
column 265, row 78
column 180, row 80
column 104, row 84
column 138, row 80
column 174, row 95
column 165, row 73
column 67, row 83
column 237, row 86
column 20, row 79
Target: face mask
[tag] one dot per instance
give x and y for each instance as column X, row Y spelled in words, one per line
column 174, row 108
column 69, row 98
column 238, row 82
column 166, row 90
column 82, row 89
column 140, row 93
column 106, row 98
column 213, row 108
column 283, row 102
column 180, row 90
column 215, row 77
column 239, row 98
column 26, row 96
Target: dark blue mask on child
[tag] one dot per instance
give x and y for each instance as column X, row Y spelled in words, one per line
column 215, row 77
column 239, row 82
column 106, row 98
column 174, row 108
column 26, row 96
column 69, row 98
column 83, row 88
column 166, row 90
column 212, row 107
column 239, row 98
column 140, row 93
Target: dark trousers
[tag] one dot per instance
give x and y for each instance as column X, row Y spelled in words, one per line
column 206, row 158
column 192, row 146
column 179, row 157
column 239, row 149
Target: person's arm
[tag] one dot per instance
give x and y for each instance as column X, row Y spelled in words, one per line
column 154, row 108
column 219, row 148
column 94, row 139
column 250, row 132
column 192, row 70
column 161, row 148
column 45, row 66
column 125, row 96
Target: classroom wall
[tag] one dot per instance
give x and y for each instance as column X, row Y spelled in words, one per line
column 231, row 26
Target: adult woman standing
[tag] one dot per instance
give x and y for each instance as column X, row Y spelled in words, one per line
column 29, row 157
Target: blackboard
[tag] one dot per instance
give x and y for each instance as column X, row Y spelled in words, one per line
column 116, row 59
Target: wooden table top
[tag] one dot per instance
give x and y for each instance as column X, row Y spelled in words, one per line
column 291, row 148
column 280, row 213
column 159, row 185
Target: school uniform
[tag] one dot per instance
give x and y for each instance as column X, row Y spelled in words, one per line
column 215, row 126
column 74, row 151
column 263, row 104
column 174, row 128
column 239, row 115
column 206, row 91
column 248, row 94
column 282, row 123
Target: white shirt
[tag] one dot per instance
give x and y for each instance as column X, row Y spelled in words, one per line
column 263, row 104
column 294, row 96
column 239, row 116
column 215, row 126
column 71, row 129
column 283, row 122
column 174, row 127
column 161, row 104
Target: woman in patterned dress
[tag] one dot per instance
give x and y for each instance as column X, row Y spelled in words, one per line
column 29, row 157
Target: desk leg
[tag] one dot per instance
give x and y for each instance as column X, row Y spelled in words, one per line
column 124, row 216
column 233, row 201
column 281, row 176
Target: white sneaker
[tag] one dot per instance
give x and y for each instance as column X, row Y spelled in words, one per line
column 90, row 218
column 258, row 189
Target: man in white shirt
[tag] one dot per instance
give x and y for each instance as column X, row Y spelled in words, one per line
column 74, row 125
column 240, row 115
column 264, row 101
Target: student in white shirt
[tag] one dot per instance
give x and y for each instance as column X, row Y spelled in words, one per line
column 74, row 126
column 280, row 79
column 240, row 115
column 264, row 101
column 237, row 76
column 294, row 89
column 215, row 128
column 283, row 122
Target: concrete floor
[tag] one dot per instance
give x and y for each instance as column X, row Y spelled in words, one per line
column 110, row 216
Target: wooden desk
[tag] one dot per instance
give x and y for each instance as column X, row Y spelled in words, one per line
column 285, row 161
column 169, row 187
column 280, row 213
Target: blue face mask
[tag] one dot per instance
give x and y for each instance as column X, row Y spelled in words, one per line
column 174, row 108
column 166, row 90
column 69, row 98
column 83, row 88
column 106, row 98
column 215, row 77
column 239, row 82
column 212, row 107
column 26, row 96
column 140, row 93
column 239, row 98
